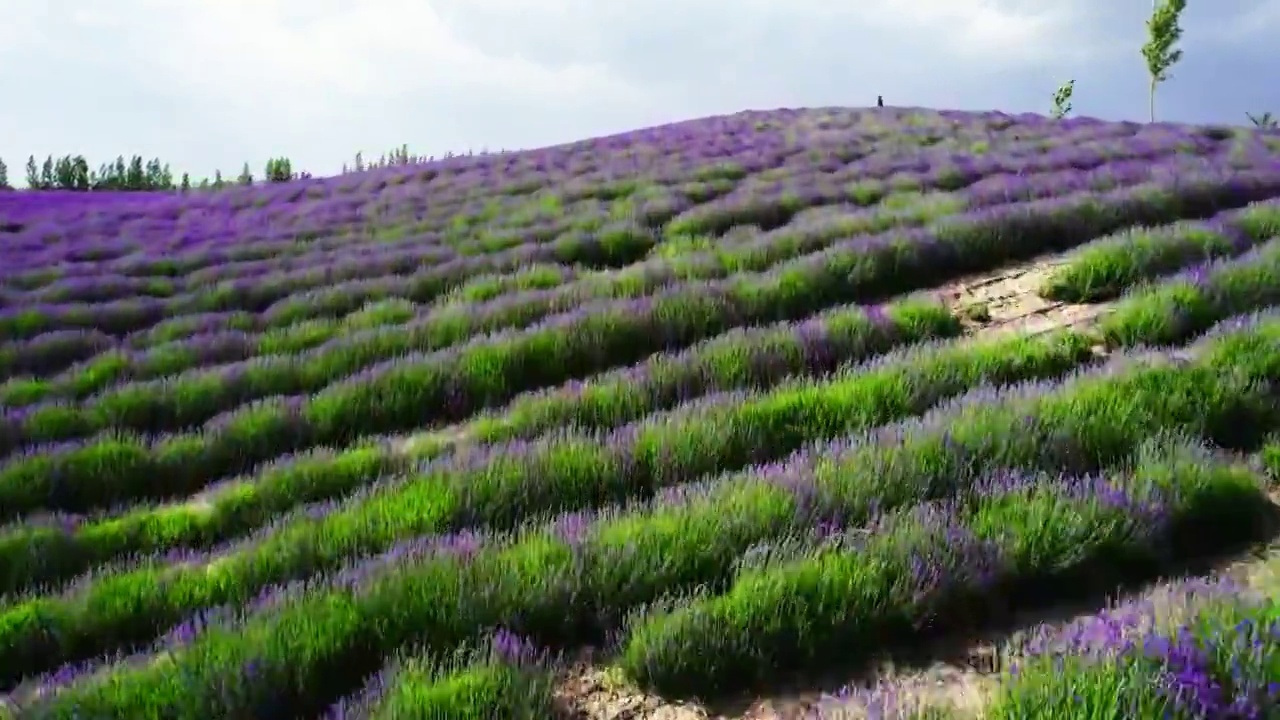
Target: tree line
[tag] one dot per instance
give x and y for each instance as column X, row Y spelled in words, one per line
column 73, row 172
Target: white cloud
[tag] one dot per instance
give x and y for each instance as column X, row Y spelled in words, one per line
column 210, row 83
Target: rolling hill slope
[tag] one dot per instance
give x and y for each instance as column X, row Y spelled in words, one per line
column 727, row 400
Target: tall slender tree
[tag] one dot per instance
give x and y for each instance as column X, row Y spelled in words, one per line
column 1159, row 52
column 33, row 173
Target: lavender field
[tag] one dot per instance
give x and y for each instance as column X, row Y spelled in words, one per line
column 703, row 409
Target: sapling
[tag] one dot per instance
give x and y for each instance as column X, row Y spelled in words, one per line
column 1062, row 99
column 1265, row 120
column 1163, row 32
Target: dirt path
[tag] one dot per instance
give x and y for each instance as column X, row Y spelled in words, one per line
column 1007, row 300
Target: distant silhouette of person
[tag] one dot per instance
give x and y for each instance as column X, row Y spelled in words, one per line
column 879, row 101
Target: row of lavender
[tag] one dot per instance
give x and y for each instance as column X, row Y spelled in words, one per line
column 1189, row 650
column 115, row 471
column 995, row 499
column 989, row 179
column 494, row 499
column 311, row 318
column 553, row 291
column 191, row 227
column 496, row 488
column 461, row 379
column 581, row 235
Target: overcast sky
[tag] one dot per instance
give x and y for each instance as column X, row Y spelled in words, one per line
column 210, row 84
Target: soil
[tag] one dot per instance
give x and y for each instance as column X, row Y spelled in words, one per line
column 453, row 436
column 1007, row 301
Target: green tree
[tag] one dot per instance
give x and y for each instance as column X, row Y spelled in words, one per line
column 186, row 182
column 46, row 174
column 1163, row 33
column 246, row 177
column 151, row 173
column 4, row 176
column 1062, row 99
column 279, row 170
column 1265, row 120
column 107, row 177
column 135, row 177
column 33, row 173
column 70, row 172
column 83, row 175
column 62, row 177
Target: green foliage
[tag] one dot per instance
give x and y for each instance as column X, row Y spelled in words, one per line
column 278, row 170
column 1062, row 100
column 843, row 598
column 1266, row 120
column 1163, row 33
column 72, row 172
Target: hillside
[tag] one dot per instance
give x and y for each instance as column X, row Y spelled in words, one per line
column 700, row 419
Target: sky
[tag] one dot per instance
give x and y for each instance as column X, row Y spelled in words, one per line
column 211, row 84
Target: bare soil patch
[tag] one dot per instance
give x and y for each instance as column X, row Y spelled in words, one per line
column 448, row 437
column 1008, row 301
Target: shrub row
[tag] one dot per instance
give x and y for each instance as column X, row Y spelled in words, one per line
column 509, row 680
column 35, row 554
column 187, row 326
column 1103, row 269
column 613, row 246
column 765, row 251
column 476, row 375
column 52, row 352
column 1191, row 302
column 392, row 397
column 775, row 203
column 743, row 358
column 569, row 587
column 1219, row 662
column 500, row 487
column 278, row 277
column 1008, row 541
column 114, row 365
column 1019, row 542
